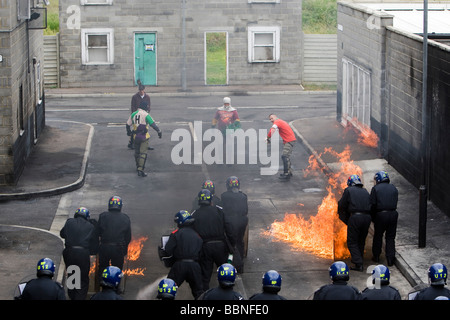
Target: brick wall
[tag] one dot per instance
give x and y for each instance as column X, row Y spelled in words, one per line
column 361, row 39
column 394, row 59
column 164, row 18
column 18, row 46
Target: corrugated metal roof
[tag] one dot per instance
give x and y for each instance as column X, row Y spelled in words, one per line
column 409, row 16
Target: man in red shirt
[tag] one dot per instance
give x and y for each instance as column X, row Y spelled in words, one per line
column 288, row 137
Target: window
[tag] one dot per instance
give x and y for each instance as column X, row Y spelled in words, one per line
column 355, row 93
column 97, row 46
column 264, row 44
column 96, row 2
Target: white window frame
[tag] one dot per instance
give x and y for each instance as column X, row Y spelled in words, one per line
column 96, row 2
column 275, row 31
column 85, row 33
column 356, row 93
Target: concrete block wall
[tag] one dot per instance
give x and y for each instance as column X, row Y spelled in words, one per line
column 18, row 48
column 361, row 39
column 405, row 103
column 165, row 18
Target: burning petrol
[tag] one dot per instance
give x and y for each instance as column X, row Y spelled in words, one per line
column 323, row 234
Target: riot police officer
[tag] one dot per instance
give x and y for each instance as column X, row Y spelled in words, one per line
column 216, row 231
column 271, row 285
column 44, row 288
column 226, row 276
column 167, row 289
column 208, row 184
column 111, row 278
column 338, row 289
column 437, row 277
column 383, row 200
column 81, row 240
column 381, row 290
column 185, row 245
column 354, row 211
column 114, row 230
column 235, row 207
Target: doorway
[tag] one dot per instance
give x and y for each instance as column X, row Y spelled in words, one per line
column 216, row 58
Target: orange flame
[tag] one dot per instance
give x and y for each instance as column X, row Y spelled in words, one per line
column 323, row 234
column 366, row 136
column 135, row 248
column 134, row 252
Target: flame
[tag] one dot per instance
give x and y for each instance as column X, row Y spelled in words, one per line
column 134, row 252
column 323, row 234
column 366, row 136
column 135, row 248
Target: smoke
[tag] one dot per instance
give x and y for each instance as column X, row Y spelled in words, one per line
column 149, row 292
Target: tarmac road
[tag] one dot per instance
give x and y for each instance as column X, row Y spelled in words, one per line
column 153, row 201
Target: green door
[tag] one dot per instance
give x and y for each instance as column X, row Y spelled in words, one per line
column 145, row 58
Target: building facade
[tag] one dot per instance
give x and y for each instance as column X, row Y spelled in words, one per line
column 156, row 42
column 21, row 86
column 380, row 77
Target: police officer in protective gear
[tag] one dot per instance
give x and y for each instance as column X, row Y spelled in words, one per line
column 114, row 230
column 271, row 285
column 208, row 184
column 338, row 289
column 437, row 278
column 81, row 241
column 381, row 290
column 354, row 211
column 111, row 278
column 235, row 207
column 167, row 289
column 216, row 231
column 185, row 245
column 226, row 276
column 383, row 200
column 44, row 288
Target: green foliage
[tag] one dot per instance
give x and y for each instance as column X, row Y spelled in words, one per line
column 52, row 18
column 319, row 16
column 216, row 58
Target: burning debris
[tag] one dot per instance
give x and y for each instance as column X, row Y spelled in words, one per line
column 134, row 252
column 324, row 234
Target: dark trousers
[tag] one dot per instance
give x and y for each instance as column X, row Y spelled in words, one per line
column 190, row 272
column 213, row 252
column 79, row 257
column 110, row 255
column 357, row 230
column 239, row 226
column 385, row 222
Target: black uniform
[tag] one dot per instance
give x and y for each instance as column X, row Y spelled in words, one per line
column 215, row 230
column 354, row 210
column 432, row 292
column 267, row 296
column 384, row 292
column 43, row 288
column 185, row 245
column 383, row 199
column 338, row 290
column 114, row 229
column 220, row 293
column 107, row 294
column 214, row 202
column 235, row 207
column 81, row 240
